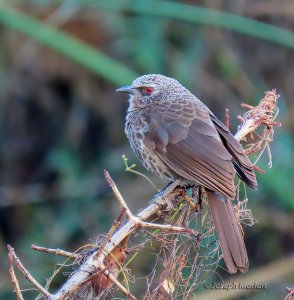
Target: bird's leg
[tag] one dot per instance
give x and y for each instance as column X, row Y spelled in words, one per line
column 197, row 195
column 201, row 192
column 190, row 202
column 187, row 198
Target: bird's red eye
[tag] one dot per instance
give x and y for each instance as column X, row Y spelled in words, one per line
column 148, row 90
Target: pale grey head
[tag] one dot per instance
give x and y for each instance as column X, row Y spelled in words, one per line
column 153, row 88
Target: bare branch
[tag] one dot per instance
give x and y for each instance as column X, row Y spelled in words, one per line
column 117, row 194
column 94, row 262
column 55, row 251
column 26, row 273
column 114, row 226
column 12, row 274
column 263, row 114
column 137, row 220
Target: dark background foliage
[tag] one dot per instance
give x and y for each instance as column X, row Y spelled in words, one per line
column 62, row 122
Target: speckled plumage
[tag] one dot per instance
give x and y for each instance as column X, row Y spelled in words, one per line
column 143, row 116
column 175, row 135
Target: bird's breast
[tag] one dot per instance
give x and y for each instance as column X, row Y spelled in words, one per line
column 137, row 128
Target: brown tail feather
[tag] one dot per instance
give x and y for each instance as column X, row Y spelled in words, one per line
column 229, row 232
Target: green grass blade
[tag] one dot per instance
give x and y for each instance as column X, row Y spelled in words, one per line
column 195, row 14
column 69, row 46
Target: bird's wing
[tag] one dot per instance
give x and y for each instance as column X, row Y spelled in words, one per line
column 185, row 139
column 240, row 160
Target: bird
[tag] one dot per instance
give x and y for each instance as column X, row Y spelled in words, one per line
column 177, row 136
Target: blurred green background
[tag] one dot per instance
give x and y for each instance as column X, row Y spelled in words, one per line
column 62, row 122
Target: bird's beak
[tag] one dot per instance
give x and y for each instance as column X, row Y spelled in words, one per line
column 126, row 89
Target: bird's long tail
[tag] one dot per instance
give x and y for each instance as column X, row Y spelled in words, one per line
column 229, row 232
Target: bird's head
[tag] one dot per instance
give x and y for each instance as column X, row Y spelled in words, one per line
column 151, row 89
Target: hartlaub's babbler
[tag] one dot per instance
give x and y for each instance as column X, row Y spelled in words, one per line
column 175, row 135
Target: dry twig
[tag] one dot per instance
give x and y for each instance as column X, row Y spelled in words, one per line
column 12, row 274
column 59, row 252
column 28, row 276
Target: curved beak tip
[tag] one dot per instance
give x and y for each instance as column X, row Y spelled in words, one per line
column 125, row 89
